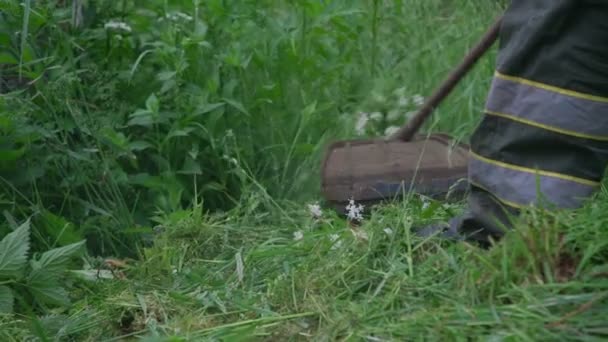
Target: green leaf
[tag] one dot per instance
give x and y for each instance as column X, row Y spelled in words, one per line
column 141, row 117
column 5, row 39
column 168, row 85
column 7, row 58
column 78, row 155
column 239, row 106
column 58, row 230
column 208, row 107
column 13, row 251
column 166, row 75
column 152, row 104
column 139, row 145
column 44, row 286
column 6, row 300
column 56, row 260
column 180, row 132
column 11, row 155
column 116, row 138
column 191, row 167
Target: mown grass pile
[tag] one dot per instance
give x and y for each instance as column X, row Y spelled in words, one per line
column 159, row 163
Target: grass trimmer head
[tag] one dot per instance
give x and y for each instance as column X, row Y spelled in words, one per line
column 370, row 171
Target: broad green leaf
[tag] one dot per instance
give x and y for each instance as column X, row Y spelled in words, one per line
column 78, row 155
column 113, row 137
column 180, row 132
column 191, row 167
column 7, row 58
column 11, row 155
column 59, row 230
column 168, row 85
column 13, row 251
column 309, row 111
column 44, row 286
column 152, row 103
column 141, row 117
column 5, row 39
column 166, row 75
column 239, row 106
column 139, row 145
column 6, row 299
column 55, row 260
column 208, row 107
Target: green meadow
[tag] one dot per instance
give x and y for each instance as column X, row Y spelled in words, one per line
column 159, row 180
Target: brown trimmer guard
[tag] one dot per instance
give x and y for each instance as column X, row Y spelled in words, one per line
column 370, row 171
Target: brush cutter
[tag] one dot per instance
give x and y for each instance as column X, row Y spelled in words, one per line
column 370, row 171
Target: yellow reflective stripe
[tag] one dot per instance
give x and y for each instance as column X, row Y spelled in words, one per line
column 552, row 88
column 501, row 200
column 546, row 127
column 535, row 171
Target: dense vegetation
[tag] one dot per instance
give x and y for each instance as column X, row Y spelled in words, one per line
column 157, row 160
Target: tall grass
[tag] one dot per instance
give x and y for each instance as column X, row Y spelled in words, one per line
column 118, row 125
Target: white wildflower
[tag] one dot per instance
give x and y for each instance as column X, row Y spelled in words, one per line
column 376, row 116
column 354, row 211
column 117, row 25
column 334, row 237
column 425, row 205
column 418, row 100
column 403, row 101
column 361, row 122
column 391, row 130
column 315, row 210
column 297, row 236
column 388, row 231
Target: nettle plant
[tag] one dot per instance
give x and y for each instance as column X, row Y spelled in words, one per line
column 35, row 278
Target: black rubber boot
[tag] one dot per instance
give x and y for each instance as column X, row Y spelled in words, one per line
column 464, row 228
column 448, row 231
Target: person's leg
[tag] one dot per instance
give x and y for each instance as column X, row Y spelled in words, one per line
column 545, row 128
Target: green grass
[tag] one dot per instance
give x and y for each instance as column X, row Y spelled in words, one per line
column 190, row 150
column 244, row 275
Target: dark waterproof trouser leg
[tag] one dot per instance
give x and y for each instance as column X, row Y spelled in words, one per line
column 544, row 135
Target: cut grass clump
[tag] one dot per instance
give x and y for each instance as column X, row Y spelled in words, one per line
column 257, row 280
